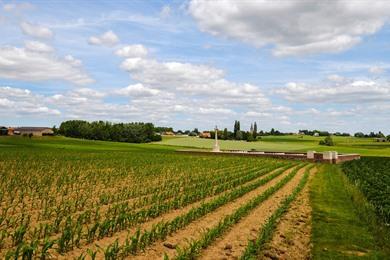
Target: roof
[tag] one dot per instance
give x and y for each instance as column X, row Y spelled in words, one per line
column 28, row 128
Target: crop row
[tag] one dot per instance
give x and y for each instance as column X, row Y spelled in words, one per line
column 372, row 176
column 254, row 248
column 194, row 247
column 39, row 198
column 140, row 240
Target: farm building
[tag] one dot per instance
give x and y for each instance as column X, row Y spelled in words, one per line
column 205, row 134
column 35, row 131
column 168, row 133
column 11, row 131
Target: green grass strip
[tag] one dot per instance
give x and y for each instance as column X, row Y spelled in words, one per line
column 342, row 222
column 254, row 248
column 194, row 248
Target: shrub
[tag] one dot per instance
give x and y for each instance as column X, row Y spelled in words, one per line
column 327, row 141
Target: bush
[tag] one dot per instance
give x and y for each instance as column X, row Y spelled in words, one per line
column 327, row 141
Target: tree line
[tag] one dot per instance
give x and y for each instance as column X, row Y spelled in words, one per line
column 136, row 132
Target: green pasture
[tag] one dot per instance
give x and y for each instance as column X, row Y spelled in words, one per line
column 363, row 146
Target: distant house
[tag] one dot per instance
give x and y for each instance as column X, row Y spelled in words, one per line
column 380, row 139
column 11, row 131
column 168, row 133
column 3, row 130
column 35, row 131
column 205, row 134
column 316, row 134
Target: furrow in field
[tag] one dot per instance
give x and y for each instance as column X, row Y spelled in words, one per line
column 291, row 239
column 104, row 208
column 94, row 198
column 195, row 229
column 233, row 243
column 121, row 236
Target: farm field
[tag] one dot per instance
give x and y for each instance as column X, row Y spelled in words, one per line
column 372, row 176
column 363, row 146
column 63, row 198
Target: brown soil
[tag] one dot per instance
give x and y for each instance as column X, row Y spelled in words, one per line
column 121, row 236
column 194, row 230
column 292, row 236
column 234, row 242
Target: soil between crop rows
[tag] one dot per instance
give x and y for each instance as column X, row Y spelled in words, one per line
column 195, row 229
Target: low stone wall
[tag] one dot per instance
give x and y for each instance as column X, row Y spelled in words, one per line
column 311, row 156
column 282, row 155
column 347, row 157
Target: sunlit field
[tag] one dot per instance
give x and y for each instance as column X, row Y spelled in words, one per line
column 363, row 146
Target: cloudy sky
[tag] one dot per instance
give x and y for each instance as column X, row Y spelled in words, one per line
column 285, row 64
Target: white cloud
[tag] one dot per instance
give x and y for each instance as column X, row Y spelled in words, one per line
column 36, row 30
column 38, row 46
column 4, row 102
column 376, row 70
column 9, row 7
column 335, row 77
column 165, row 11
column 22, row 102
column 72, row 60
column 137, row 90
column 108, row 39
column 292, row 27
column 27, row 65
column 132, row 51
column 346, row 91
column 169, row 74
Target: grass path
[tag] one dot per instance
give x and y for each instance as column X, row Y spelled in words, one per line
column 338, row 232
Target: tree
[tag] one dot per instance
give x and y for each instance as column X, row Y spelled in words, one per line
column 255, row 130
column 225, row 134
column 106, row 131
column 249, row 137
column 55, row 130
column 327, row 141
column 239, row 135
column 235, row 127
column 359, row 134
column 272, row 131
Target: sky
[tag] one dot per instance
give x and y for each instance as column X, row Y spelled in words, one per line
column 287, row 65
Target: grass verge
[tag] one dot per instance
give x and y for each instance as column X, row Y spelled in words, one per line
column 338, row 229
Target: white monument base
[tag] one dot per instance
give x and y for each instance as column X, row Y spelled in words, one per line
column 216, row 148
column 310, row 154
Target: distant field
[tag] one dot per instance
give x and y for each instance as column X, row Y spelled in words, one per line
column 363, row 146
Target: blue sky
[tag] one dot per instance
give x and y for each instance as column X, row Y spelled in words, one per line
column 286, row 64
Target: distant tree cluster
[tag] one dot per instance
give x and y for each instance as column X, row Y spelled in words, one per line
column 237, row 133
column 371, row 134
column 162, row 129
column 106, row 131
column 314, row 132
